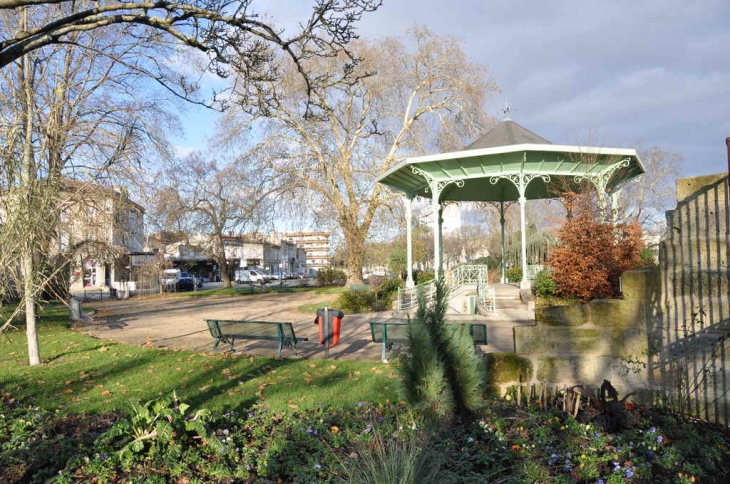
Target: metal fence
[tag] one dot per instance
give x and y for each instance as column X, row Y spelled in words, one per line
column 690, row 341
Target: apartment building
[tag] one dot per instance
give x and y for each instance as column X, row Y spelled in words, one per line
column 316, row 245
column 102, row 231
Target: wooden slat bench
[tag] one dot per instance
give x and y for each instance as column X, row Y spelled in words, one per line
column 229, row 330
column 389, row 332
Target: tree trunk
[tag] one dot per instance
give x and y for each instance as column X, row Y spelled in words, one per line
column 354, row 248
column 27, row 194
column 34, row 354
column 225, row 275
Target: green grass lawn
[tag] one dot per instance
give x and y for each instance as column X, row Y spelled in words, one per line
column 85, row 374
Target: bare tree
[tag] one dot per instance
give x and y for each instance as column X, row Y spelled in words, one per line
column 65, row 114
column 394, row 102
column 66, row 129
column 209, row 199
column 231, row 33
column 646, row 199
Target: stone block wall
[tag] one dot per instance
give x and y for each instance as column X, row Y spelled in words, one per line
column 584, row 344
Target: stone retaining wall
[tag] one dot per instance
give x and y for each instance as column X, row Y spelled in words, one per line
column 586, row 343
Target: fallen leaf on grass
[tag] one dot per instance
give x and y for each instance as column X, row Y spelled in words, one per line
column 294, row 406
column 68, row 390
column 68, row 382
column 312, row 365
column 204, row 388
column 333, row 367
column 106, row 392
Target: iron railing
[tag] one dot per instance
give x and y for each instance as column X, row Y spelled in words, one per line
column 408, row 297
column 467, row 274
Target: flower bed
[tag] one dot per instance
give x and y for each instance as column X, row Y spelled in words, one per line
column 164, row 441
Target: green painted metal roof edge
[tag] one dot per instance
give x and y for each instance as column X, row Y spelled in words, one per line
column 514, row 149
column 499, row 150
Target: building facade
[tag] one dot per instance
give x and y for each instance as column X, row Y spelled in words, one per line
column 101, row 230
column 317, row 247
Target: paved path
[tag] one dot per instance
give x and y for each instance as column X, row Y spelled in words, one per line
column 178, row 323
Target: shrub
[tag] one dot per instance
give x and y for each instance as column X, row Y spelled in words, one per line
column 331, row 277
column 544, row 284
column 513, row 274
column 385, row 288
column 356, row 301
column 592, row 255
column 424, row 276
column 440, row 371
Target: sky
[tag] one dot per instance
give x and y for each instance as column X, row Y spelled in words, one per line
column 613, row 73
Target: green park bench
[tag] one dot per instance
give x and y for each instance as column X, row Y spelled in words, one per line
column 229, row 330
column 389, row 332
column 360, row 287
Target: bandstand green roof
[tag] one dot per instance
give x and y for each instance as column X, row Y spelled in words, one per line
column 490, row 167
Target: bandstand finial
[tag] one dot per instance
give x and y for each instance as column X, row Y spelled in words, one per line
column 506, row 111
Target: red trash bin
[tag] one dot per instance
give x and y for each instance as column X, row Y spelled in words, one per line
column 335, row 326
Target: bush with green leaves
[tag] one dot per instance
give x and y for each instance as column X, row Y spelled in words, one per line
column 513, row 274
column 544, row 285
column 352, row 302
column 160, row 427
column 329, row 276
column 422, row 277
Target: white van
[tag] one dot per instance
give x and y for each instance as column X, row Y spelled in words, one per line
column 170, row 276
column 247, row 276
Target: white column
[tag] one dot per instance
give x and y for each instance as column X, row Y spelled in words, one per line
column 503, row 276
column 525, row 284
column 408, row 201
column 437, row 259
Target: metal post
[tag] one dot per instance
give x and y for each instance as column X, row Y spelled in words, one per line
column 328, row 331
column 525, row 284
column 436, row 207
column 409, row 241
column 503, row 278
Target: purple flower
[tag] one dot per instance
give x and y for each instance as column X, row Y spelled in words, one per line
column 650, row 455
column 629, row 473
column 601, row 481
column 652, row 430
column 598, row 436
column 317, row 466
column 104, row 456
column 360, row 404
column 660, row 439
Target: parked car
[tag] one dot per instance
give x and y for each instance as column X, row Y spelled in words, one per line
column 186, row 282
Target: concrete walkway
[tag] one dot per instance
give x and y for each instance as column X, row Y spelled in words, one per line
column 178, row 323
